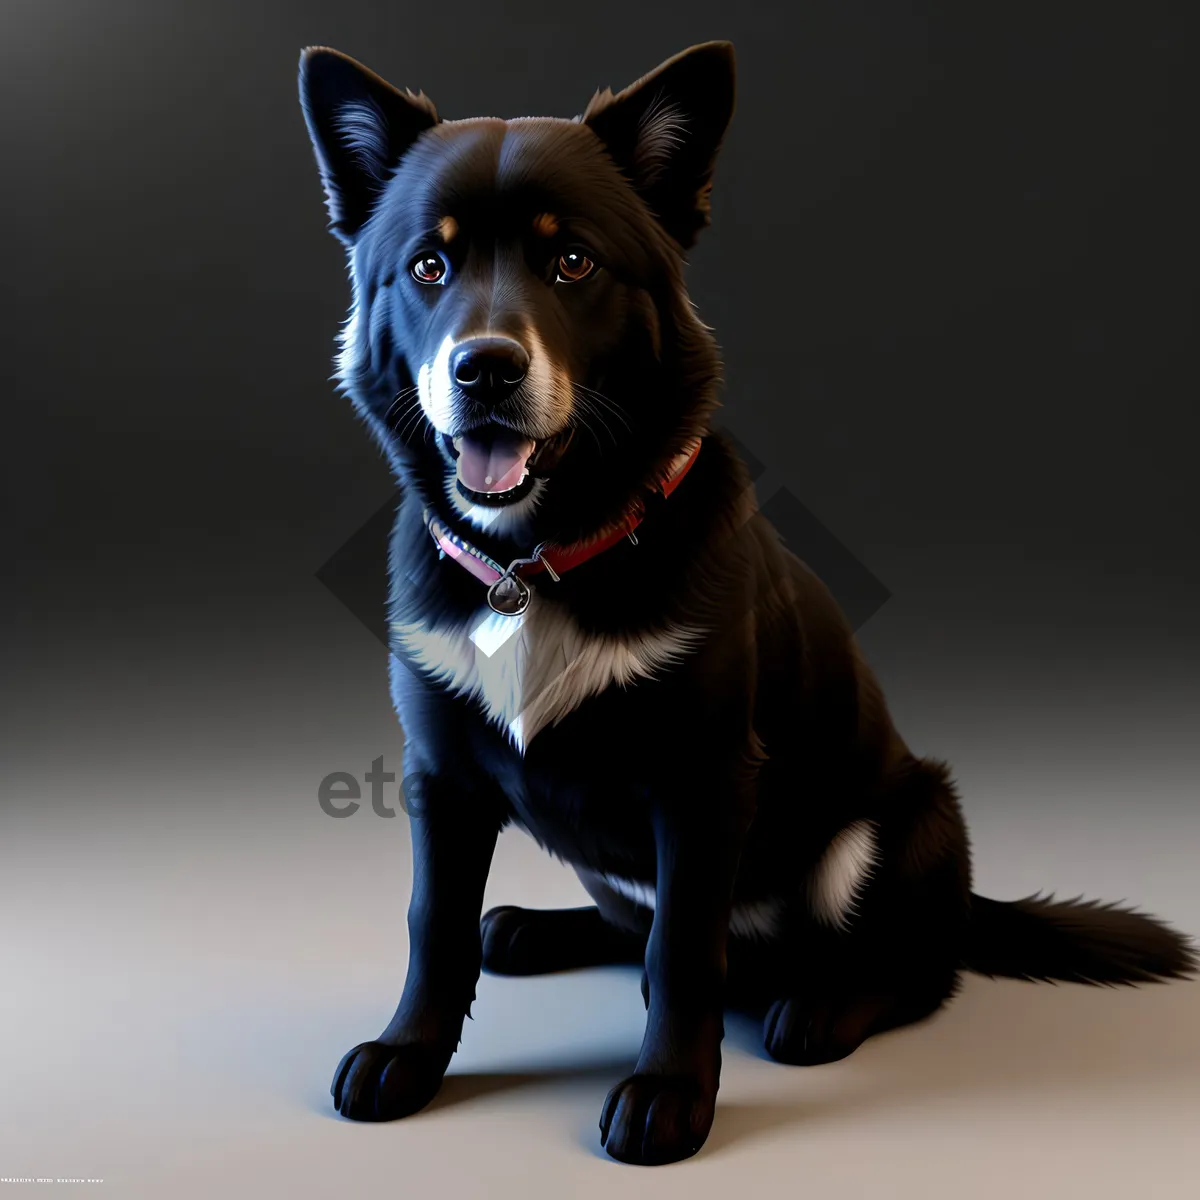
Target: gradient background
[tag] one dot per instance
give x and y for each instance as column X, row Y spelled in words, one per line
column 953, row 269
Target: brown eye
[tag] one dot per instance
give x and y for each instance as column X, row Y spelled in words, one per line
column 429, row 268
column 574, row 266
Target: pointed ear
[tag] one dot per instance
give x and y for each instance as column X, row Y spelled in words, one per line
column 360, row 127
column 664, row 132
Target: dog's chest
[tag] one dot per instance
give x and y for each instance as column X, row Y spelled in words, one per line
column 531, row 670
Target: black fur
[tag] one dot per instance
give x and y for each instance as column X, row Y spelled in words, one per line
column 718, row 783
column 1076, row 941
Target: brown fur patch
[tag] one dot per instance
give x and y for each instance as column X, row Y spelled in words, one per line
column 545, row 225
column 448, row 227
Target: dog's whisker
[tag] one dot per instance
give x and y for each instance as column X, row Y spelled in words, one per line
column 403, row 392
column 402, row 422
column 603, row 400
column 586, row 404
column 412, row 424
column 579, row 420
column 412, row 417
column 582, row 424
column 396, row 418
column 399, row 398
column 597, row 399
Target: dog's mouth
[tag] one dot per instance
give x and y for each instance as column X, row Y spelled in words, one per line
column 495, row 465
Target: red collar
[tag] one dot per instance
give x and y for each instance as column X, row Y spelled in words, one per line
column 507, row 593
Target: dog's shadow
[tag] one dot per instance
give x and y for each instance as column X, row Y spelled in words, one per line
column 463, row 1087
column 995, row 1037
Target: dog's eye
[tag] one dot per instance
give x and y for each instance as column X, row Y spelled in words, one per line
column 428, row 268
column 574, row 266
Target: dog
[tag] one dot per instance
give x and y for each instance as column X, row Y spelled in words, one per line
column 597, row 638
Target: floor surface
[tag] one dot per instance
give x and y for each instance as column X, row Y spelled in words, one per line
column 190, row 945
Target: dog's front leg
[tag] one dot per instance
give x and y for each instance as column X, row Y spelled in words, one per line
column 664, row 1111
column 453, row 839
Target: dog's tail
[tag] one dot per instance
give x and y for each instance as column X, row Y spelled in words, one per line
column 1040, row 938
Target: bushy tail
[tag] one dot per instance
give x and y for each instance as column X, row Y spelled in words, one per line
column 1079, row 941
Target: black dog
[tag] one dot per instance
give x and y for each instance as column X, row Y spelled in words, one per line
column 597, row 638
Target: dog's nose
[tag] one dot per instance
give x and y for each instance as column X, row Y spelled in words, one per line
column 489, row 369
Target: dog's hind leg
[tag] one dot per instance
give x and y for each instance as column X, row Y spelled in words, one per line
column 530, row 941
column 886, row 951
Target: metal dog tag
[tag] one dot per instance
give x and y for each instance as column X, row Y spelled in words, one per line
column 508, row 596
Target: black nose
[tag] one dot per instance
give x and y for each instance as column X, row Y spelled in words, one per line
column 489, row 369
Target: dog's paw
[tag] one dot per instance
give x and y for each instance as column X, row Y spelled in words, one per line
column 655, row 1119
column 808, row 1032
column 378, row 1082
column 511, row 945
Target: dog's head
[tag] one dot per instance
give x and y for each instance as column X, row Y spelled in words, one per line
column 521, row 342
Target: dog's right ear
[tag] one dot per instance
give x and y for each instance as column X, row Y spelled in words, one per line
column 360, row 127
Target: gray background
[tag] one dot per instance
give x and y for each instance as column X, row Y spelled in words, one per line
column 953, row 270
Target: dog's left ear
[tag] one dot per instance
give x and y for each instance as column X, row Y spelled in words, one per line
column 665, row 130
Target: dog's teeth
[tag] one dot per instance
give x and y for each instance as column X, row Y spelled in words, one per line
column 487, row 479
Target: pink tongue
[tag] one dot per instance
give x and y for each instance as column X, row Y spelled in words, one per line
column 493, row 462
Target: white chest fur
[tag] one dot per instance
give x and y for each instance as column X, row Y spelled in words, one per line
column 530, row 671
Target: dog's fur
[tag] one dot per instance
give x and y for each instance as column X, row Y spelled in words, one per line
column 688, row 720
